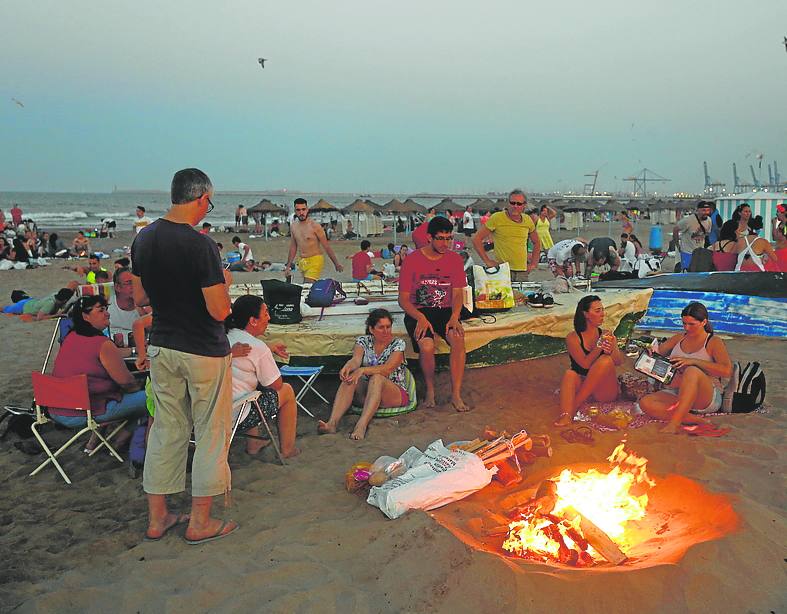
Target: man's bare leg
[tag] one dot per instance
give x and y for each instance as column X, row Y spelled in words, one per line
column 201, row 524
column 456, row 362
column 160, row 520
column 426, row 358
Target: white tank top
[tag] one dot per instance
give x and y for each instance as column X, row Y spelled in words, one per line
column 755, row 258
column 701, row 354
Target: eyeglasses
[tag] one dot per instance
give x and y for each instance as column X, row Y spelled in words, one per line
column 210, row 206
column 513, row 203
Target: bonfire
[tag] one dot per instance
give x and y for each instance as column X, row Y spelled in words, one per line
column 580, row 518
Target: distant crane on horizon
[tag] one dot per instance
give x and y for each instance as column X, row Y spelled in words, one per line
column 640, row 181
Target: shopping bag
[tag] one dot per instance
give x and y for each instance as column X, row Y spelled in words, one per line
column 434, row 478
column 492, row 288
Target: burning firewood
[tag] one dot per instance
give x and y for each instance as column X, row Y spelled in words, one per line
column 597, row 538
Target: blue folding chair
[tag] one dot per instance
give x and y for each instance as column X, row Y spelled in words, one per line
column 307, row 375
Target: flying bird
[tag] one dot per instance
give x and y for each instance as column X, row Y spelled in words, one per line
column 785, row 43
column 262, row 61
column 18, row 103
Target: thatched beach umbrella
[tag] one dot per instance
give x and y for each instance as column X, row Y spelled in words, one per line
column 322, row 206
column 447, row 205
column 264, row 208
column 356, row 208
column 482, row 205
column 360, row 206
column 408, row 207
column 411, row 203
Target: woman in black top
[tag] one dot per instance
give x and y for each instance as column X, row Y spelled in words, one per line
column 594, row 354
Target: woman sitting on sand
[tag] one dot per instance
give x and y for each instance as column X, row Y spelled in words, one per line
column 258, row 370
column 592, row 371
column 701, row 360
column 114, row 393
column 375, row 376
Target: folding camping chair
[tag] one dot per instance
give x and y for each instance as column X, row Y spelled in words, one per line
column 241, row 404
column 308, row 376
column 66, row 393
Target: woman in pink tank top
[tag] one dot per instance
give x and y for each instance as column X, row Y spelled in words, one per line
column 725, row 250
column 114, row 393
column 701, row 360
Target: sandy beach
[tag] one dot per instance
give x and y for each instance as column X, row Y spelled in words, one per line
column 306, row 545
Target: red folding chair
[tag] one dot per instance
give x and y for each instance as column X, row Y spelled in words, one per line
column 65, row 393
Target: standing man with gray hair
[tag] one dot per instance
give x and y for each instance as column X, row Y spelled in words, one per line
column 510, row 229
column 178, row 272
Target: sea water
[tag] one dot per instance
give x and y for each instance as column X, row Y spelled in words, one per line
column 87, row 210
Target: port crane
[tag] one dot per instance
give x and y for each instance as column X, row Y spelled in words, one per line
column 640, row 181
column 712, row 188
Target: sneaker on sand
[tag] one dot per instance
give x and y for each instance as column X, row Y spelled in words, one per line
column 729, row 390
column 535, row 300
column 548, row 300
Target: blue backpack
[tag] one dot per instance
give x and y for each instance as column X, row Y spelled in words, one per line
column 324, row 293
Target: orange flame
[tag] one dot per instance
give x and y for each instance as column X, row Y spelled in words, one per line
column 604, row 498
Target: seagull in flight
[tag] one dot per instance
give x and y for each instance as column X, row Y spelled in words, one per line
column 263, row 60
column 785, row 43
column 18, row 103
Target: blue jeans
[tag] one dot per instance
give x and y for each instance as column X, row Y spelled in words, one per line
column 685, row 260
column 132, row 405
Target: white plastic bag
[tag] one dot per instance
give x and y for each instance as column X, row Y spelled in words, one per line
column 435, row 477
column 492, row 287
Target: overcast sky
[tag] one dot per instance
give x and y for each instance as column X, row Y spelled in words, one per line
column 415, row 95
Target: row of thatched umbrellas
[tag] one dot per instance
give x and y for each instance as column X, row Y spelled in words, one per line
column 481, row 205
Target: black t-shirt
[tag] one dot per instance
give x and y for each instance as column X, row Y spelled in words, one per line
column 600, row 246
column 175, row 263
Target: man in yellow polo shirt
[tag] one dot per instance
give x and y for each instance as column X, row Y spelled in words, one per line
column 509, row 230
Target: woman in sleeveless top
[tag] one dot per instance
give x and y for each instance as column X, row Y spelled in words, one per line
column 593, row 355
column 756, row 254
column 114, row 393
column 545, row 214
column 725, row 250
column 701, row 360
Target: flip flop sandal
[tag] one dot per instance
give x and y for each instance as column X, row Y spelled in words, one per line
column 217, row 535
column 580, row 434
column 182, row 519
column 705, row 430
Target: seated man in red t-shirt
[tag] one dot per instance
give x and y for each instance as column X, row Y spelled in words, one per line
column 431, row 286
column 362, row 264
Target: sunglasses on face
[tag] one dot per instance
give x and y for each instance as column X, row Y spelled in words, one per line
column 513, row 203
column 210, row 206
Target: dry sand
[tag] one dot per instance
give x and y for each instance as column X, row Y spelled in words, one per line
column 305, row 545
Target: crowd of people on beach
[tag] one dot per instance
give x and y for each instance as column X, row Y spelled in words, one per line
column 171, row 317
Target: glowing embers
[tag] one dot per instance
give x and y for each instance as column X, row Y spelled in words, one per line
column 579, row 518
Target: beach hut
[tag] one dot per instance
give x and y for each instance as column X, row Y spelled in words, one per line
column 761, row 203
column 264, row 210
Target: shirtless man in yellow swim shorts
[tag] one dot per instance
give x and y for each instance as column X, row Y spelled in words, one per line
column 307, row 236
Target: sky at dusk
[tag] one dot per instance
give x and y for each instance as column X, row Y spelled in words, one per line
column 441, row 96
